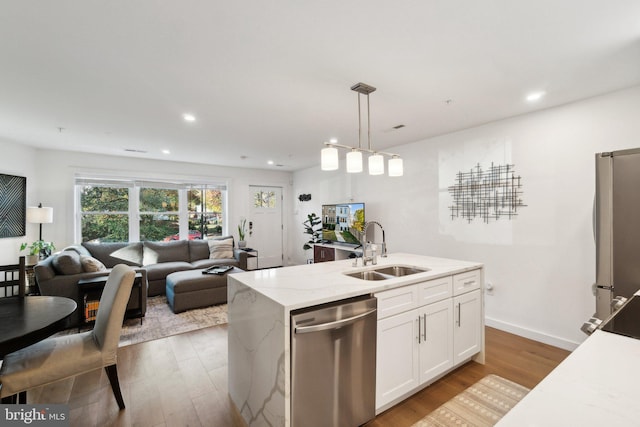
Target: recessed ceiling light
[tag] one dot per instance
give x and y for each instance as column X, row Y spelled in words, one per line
column 189, row 117
column 333, row 141
column 535, row 96
column 270, row 162
column 166, row 152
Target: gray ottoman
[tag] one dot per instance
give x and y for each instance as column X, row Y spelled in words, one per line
column 192, row 289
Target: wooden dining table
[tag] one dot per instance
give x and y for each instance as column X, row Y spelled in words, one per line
column 27, row 320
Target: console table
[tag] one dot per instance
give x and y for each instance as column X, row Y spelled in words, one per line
column 90, row 291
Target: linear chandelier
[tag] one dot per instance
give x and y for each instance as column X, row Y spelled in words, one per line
column 329, row 155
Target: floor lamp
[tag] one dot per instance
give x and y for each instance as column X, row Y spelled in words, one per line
column 39, row 215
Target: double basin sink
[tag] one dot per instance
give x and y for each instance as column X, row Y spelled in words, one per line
column 387, row 272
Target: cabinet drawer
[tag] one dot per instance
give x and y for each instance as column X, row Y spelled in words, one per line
column 465, row 282
column 397, row 300
column 435, row 290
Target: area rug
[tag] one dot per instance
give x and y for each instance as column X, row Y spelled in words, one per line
column 159, row 322
column 482, row 404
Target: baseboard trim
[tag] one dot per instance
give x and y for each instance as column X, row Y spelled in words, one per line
column 532, row 334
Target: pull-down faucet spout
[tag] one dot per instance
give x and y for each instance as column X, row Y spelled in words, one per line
column 363, row 242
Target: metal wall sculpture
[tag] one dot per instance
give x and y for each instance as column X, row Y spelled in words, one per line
column 13, row 205
column 492, row 194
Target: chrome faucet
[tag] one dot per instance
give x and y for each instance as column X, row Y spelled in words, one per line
column 364, row 244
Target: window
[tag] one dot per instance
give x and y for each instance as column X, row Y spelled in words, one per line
column 111, row 210
column 159, row 214
column 205, row 212
column 104, row 212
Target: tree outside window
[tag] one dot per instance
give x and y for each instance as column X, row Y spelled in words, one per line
column 105, row 214
column 128, row 210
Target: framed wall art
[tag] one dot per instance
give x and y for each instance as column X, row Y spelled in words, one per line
column 13, row 205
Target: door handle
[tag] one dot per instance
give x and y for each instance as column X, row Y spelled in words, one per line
column 332, row 325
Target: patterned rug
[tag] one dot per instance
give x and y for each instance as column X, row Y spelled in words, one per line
column 160, row 322
column 482, row 404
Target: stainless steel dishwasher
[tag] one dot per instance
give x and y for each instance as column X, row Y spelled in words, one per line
column 333, row 364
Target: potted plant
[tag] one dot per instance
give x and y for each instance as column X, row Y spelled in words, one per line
column 241, row 233
column 311, row 228
column 37, row 250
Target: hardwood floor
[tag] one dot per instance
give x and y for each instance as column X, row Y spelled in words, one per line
column 182, row 381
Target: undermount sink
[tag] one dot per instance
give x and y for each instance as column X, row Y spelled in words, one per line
column 400, row 270
column 367, row 275
column 388, row 272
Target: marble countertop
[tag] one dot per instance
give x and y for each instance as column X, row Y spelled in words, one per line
column 597, row 385
column 311, row 284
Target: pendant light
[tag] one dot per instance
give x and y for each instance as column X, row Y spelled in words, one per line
column 329, row 154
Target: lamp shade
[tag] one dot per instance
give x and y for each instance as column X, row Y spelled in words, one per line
column 354, row 161
column 329, row 159
column 376, row 164
column 395, row 166
column 39, row 215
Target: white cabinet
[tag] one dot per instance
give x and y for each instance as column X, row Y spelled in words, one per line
column 467, row 332
column 436, row 339
column 424, row 330
column 397, row 359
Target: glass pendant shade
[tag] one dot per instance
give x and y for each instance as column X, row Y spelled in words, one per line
column 395, row 166
column 354, row 161
column 329, row 159
column 376, row 164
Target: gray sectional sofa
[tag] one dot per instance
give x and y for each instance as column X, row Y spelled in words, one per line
column 59, row 274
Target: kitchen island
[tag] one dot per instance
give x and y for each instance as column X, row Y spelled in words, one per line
column 260, row 304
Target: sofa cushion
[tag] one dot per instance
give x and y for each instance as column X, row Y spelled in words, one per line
column 156, row 252
column 90, row 264
column 161, row 270
column 206, row 263
column 113, row 253
column 220, row 248
column 67, row 262
column 198, row 249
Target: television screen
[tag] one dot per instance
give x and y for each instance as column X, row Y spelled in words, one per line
column 343, row 223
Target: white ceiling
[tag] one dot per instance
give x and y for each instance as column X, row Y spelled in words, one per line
column 270, row 79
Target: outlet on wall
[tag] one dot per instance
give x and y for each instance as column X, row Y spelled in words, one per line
column 489, row 288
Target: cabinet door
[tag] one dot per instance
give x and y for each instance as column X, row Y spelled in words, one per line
column 323, row 254
column 397, row 357
column 467, row 329
column 436, row 339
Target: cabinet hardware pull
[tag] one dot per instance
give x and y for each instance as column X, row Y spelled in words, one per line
column 418, row 323
column 424, row 328
column 458, row 314
column 470, row 282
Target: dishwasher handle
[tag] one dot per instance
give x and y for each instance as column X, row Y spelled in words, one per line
column 332, row 325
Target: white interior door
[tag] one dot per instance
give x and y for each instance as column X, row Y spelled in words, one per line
column 265, row 224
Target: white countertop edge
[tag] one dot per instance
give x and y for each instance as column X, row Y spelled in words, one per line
column 312, row 284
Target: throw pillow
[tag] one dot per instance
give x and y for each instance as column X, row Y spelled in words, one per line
column 90, row 264
column 220, row 248
column 67, row 262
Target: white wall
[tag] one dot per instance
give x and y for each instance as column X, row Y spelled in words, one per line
column 18, row 160
column 541, row 264
column 51, row 176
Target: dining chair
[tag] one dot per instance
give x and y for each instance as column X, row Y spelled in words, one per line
column 61, row 357
column 15, row 275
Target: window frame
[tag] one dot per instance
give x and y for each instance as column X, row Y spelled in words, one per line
column 134, row 185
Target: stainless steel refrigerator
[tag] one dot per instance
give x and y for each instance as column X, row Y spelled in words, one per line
column 617, row 229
